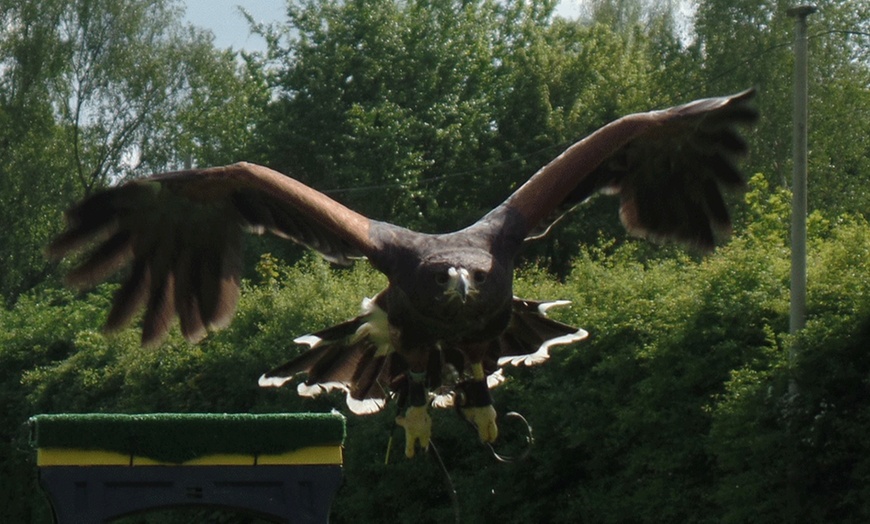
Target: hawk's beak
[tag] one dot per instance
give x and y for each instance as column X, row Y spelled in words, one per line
column 459, row 283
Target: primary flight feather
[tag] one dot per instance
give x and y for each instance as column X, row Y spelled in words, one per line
column 448, row 319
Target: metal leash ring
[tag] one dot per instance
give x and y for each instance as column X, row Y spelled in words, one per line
column 530, row 441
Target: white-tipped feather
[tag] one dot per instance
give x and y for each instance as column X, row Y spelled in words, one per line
column 495, row 379
column 545, row 306
column 312, row 390
column 272, row 382
column 366, row 406
column 309, row 340
column 543, row 352
column 443, row 400
column 358, row 407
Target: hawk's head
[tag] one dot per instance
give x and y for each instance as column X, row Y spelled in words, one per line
column 465, row 285
column 458, row 282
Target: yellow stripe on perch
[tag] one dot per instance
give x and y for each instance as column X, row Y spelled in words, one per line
column 315, row 455
column 194, row 439
column 79, row 457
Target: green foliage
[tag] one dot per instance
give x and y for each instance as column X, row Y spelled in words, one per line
column 790, row 439
column 749, row 42
column 215, row 111
column 421, row 102
column 31, row 152
column 389, row 96
column 678, row 407
column 94, row 90
column 55, row 360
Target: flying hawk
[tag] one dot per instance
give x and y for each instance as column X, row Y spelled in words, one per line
column 448, row 319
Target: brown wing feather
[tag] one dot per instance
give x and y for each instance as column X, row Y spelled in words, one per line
column 668, row 168
column 181, row 233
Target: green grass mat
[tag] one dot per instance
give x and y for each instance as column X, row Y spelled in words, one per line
column 178, row 437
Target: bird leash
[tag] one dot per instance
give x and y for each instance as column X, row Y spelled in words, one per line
column 500, row 457
column 475, row 393
column 471, row 394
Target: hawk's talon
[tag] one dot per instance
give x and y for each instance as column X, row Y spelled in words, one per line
column 418, row 428
column 482, row 418
column 475, row 404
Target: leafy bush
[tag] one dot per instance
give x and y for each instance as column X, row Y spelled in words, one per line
column 682, row 404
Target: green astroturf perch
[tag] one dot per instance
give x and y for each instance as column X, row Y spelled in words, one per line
column 98, row 467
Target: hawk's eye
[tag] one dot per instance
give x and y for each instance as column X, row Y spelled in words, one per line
column 480, row 277
column 442, row 278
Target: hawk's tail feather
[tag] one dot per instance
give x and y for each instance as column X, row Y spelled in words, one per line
column 352, row 357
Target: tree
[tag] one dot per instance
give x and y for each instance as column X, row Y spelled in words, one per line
column 391, row 97
column 215, row 119
column 94, row 90
column 31, row 151
column 442, row 109
column 750, row 43
column 137, row 81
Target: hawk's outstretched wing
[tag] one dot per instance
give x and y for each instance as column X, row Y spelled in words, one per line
column 667, row 167
column 181, row 233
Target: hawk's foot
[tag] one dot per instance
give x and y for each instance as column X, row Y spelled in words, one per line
column 418, row 428
column 483, row 418
column 475, row 404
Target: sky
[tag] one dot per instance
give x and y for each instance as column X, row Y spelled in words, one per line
column 230, row 29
